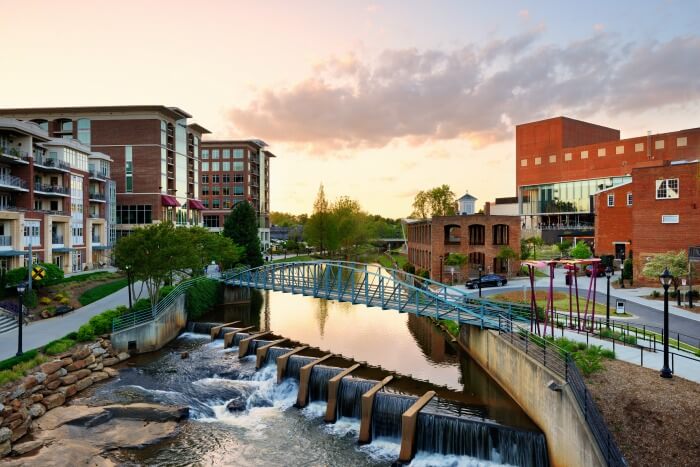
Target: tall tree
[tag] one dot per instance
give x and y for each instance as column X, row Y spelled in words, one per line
column 348, row 221
column 675, row 261
column 241, row 226
column 319, row 229
column 438, row 201
column 535, row 242
column 205, row 247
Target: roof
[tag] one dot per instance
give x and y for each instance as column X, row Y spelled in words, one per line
column 173, row 112
column 100, row 155
column 613, row 187
column 230, row 142
column 508, row 200
column 68, row 143
column 25, row 128
column 467, row 196
column 198, row 128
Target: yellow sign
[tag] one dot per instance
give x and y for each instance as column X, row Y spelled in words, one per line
column 38, row 273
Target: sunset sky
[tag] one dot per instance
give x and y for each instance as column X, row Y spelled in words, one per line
column 376, row 100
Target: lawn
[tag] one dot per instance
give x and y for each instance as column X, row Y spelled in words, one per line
column 561, row 300
column 294, row 259
column 101, row 291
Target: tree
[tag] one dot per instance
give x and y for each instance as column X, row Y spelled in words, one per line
column 348, row 221
column 675, row 261
column 455, row 259
column 581, row 251
column 438, row 201
column 241, row 226
column 564, row 247
column 54, row 274
column 508, row 254
column 205, row 247
column 319, row 230
column 535, row 242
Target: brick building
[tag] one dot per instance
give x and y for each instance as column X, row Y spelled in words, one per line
column 55, row 195
column 561, row 163
column 480, row 237
column 658, row 210
column 232, row 172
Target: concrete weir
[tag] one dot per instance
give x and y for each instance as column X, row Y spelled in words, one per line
column 409, row 420
column 367, row 402
column 228, row 337
column 216, row 330
column 304, row 376
column 282, row 362
column 243, row 345
column 261, row 352
column 333, row 385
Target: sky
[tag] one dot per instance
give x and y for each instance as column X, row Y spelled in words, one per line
column 376, row 100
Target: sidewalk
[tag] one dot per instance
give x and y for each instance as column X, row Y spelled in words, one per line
column 42, row 332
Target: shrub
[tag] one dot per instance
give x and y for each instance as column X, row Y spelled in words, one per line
column 58, row 297
column 72, row 335
column 11, row 362
column 607, row 353
column 45, row 300
column 409, row 268
column 59, row 346
column 588, row 361
column 85, row 333
column 142, row 304
column 655, row 293
column 65, row 301
column 30, row 299
column 627, row 270
column 164, row 291
column 629, row 339
column 201, row 297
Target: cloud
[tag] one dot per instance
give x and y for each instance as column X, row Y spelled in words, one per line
column 475, row 92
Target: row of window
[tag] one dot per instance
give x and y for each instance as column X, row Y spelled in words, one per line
column 665, row 189
column 217, row 203
column 222, row 166
column 225, row 178
column 226, row 154
column 224, row 190
column 602, row 152
column 611, row 199
column 134, row 214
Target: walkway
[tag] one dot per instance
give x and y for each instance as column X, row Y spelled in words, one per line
column 42, row 332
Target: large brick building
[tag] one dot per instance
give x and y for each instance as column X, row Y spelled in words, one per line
column 561, row 163
column 478, row 236
column 658, row 210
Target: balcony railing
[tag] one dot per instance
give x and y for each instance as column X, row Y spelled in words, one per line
column 51, row 162
column 561, row 227
column 57, row 239
column 95, row 239
column 97, row 175
column 11, row 180
column 97, row 196
column 5, row 240
column 56, row 189
column 14, row 152
column 94, row 216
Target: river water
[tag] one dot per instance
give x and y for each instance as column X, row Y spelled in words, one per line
column 273, row 432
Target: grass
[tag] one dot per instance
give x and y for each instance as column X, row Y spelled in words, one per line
column 101, row 291
column 19, row 370
column 59, row 346
column 100, row 275
column 294, row 259
column 451, row 326
column 561, row 300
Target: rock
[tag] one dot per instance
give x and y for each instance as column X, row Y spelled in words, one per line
column 56, row 375
column 184, row 355
column 67, row 361
column 5, row 448
column 84, row 383
column 149, row 412
column 98, row 367
column 21, row 430
column 69, row 379
column 111, row 372
column 29, row 382
column 54, row 400
column 98, row 351
column 2, row 408
column 40, row 376
column 105, row 344
column 53, row 385
column 76, row 365
column 66, row 414
column 36, row 397
column 19, row 415
column 37, row 410
column 51, row 367
column 36, row 389
column 81, row 353
column 236, row 405
column 109, row 361
column 18, row 391
column 68, row 391
column 27, row 446
column 95, row 345
column 99, row 376
column 5, row 434
column 123, row 356
column 16, row 404
column 90, row 360
column 82, row 373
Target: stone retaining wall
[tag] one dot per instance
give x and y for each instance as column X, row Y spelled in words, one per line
column 51, row 385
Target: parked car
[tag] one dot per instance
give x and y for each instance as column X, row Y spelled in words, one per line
column 62, row 310
column 589, row 270
column 487, row 280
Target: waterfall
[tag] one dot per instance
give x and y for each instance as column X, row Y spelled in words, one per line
column 318, row 383
column 386, row 414
column 239, row 337
column 349, row 396
column 446, row 434
column 199, row 328
column 273, row 353
column 294, row 364
column 253, row 346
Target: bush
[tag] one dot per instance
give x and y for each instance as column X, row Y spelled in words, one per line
column 627, row 270
column 59, row 346
column 11, row 362
column 409, row 268
column 201, row 297
column 164, row 291
column 30, row 299
column 655, row 293
column 65, row 301
column 86, row 333
column 45, row 300
column 589, row 360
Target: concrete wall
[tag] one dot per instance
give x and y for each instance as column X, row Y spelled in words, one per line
column 154, row 334
column 569, row 441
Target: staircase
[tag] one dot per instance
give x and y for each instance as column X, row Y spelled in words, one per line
column 7, row 322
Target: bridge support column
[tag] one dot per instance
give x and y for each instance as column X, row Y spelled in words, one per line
column 228, row 337
column 217, row 329
column 304, row 377
column 261, row 352
column 367, row 402
column 282, row 362
column 333, row 386
column 245, row 343
column 409, row 420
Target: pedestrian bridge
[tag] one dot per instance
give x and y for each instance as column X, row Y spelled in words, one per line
column 375, row 286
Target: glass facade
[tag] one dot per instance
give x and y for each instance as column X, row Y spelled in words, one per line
column 564, row 197
column 84, row 131
column 181, row 159
column 129, row 169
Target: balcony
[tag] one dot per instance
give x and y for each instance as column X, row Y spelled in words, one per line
column 5, row 240
column 51, row 189
column 10, row 154
column 51, row 164
column 10, row 181
column 95, row 175
column 56, row 239
column 99, row 197
column 95, row 239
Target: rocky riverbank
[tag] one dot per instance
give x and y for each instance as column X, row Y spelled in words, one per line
column 51, row 385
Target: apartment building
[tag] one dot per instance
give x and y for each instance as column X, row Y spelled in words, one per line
column 561, row 163
column 154, row 152
column 233, row 171
column 53, row 199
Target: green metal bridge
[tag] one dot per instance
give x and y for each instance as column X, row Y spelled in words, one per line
column 375, row 286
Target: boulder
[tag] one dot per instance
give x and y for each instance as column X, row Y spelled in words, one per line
column 148, row 412
column 69, row 379
column 109, row 361
column 112, row 372
column 21, row 430
column 123, row 356
column 81, row 353
column 17, row 392
column 76, row 365
column 36, row 397
column 53, row 385
column 90, row 359
column 19, row 415
column 54, row 400
column 5, row 448
column 84, row 383
column 98, row 367
column 29, row 382
column 51, row 367
column 68, row 391
column 236, row 405
column 40, row 376
column 80, row 374
column 98, row 351
column 27, row 446
column 16, row 404
column 37, row 410
column 67, row 361
column 99, row 376
column 5, row 434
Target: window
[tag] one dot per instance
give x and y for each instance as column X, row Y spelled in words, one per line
column 227, row 203
column 31, row 233
column 205, row 202
column 225, row 190
column 611, row 201
column 238, row 178
column 211, row 221
column 619, row 149
column 682, row 141
column 552, row 158
column 84, row 131
column 205, row 166
column 238, row 166
column 601, row 152
column 670, row 219
column 538, row 160
column 215, row 178
column 227, row 154
column 215, row 154
column 215, row 203
column 205, row 190
column 659, row 144
column 226, row 166
column 205, row 178
column 567, row 156
column 134, row 214
column 523, row 163
column 129, row 169
column 629, row 199
column 214, row 166
column 205, row 154
column 667, row 189
column 215, row 189
column 584, row 154
column 639, row 147
column 238, row 189
column 227, row 178
column 238, row 153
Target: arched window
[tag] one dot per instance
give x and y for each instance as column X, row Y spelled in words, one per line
column 500, row 234
column 477, row 234
column 452, row 234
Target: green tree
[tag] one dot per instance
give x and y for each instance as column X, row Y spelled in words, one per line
column 348, row 221
column 438, row 201
column 205, row 247
column 564, row 247
column 319, row 230
column 456, row 259
column 508, row 254
column 54, row 274
column 581, row 251
column 535, row 242
column 241, row 226
column 675, row 261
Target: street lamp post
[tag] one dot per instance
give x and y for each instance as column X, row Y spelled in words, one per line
column 128, row 283
column 20, row 316
column 441, row 259
column 608, row 273
column 480, row 270
column 666, row 279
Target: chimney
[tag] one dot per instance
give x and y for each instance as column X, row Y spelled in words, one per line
column 487, row 208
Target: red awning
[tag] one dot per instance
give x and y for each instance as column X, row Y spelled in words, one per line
column 169, row 200
column 195, row 204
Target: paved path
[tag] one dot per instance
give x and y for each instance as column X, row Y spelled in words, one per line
column 44, row 331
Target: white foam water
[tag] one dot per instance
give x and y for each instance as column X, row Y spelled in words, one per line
column 424, row 459
column 193, row 335
column 344, row 426
column 314, row 410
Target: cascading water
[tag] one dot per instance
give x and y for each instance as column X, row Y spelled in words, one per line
column 449, row 435
column 199, row 328
column 350, row 395
column 239, row 337
column 273, row 353
column 318, row 383
column 253, row 346
column 294, row 364
column 386, row 414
